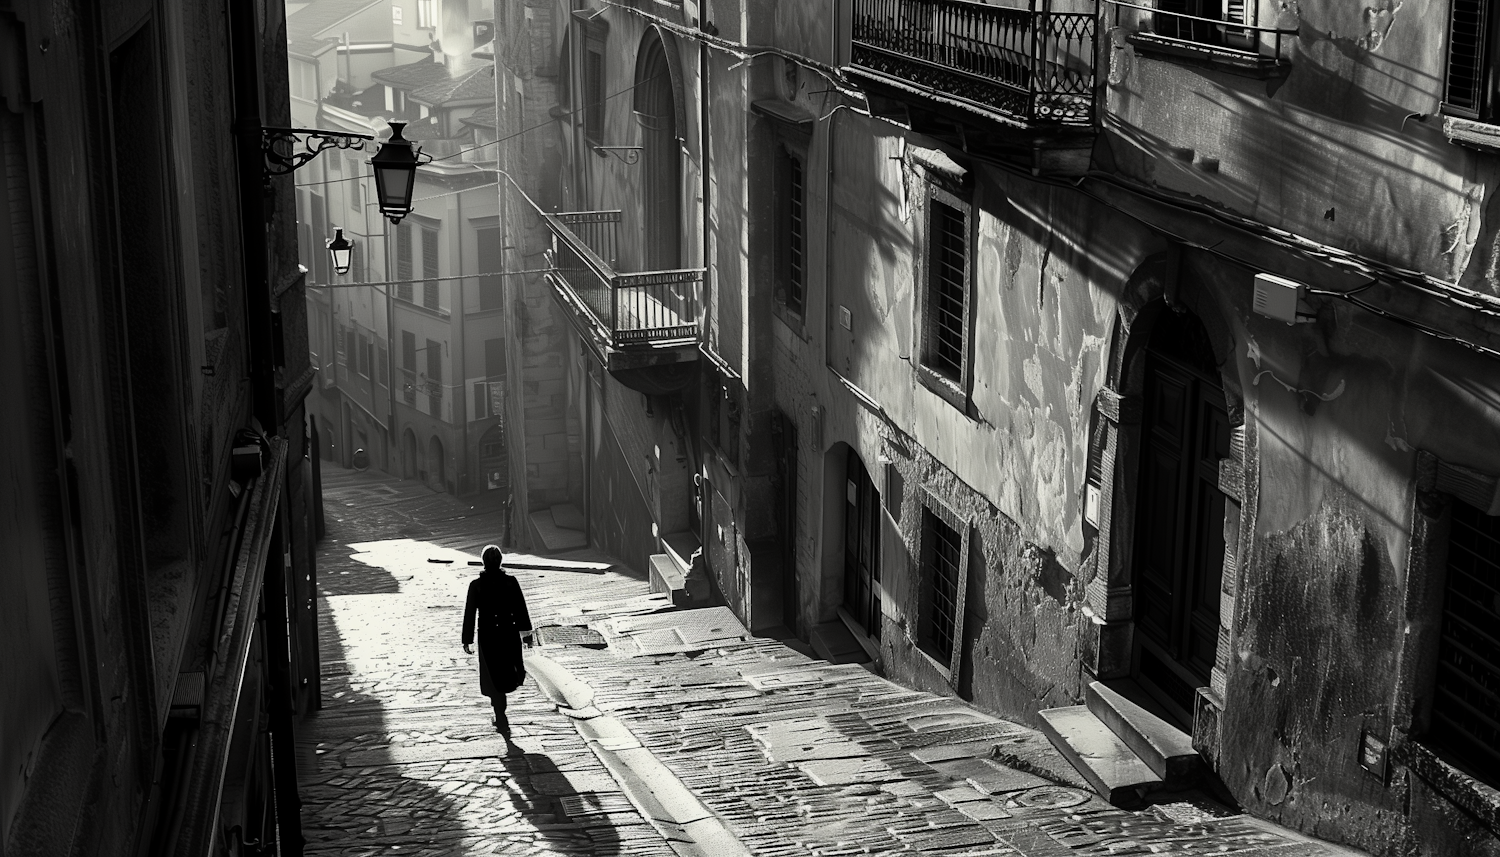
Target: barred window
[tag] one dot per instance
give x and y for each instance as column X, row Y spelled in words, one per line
column 942, row 567
column 792, row 226
column 947, row 302
column 1470, row 87
column 1466, row 692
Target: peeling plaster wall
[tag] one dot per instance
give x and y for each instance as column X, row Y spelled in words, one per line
column 1347, row 150
column 1337, row 409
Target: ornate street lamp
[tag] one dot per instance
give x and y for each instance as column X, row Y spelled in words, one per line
column 340, row 249
column 395, row 173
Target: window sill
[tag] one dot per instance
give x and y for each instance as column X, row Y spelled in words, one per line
column 862, row 636
column 1472, row 133
column 1232, row 60
column 946, row 388
column 1480, row 800
column 942, row 668
column 791, row 318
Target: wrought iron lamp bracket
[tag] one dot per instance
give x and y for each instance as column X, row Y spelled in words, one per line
column 630, row 155
column 288, row 149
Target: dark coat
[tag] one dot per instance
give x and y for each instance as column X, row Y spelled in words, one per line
column 495, row 597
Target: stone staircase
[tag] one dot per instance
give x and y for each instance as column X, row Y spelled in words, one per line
column 558, row 528
column 1124, row 751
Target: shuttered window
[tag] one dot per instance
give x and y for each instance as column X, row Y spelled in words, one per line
column 430, row 268
column 403, row 261
column 1469, row 89
column 1466, row 692
column 593, row 95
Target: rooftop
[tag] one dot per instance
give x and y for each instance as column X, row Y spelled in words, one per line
column 476, row 86
column 413, row 76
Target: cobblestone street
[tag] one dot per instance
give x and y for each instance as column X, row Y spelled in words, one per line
column 646, row 731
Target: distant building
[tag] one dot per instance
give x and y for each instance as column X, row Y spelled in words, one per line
column 1018, row 347
column 157, row 605
column 408, row 370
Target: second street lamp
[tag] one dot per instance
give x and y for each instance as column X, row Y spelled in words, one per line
column 396, row 173
column 340, row 249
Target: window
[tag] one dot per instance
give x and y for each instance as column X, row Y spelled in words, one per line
column 494, row 358
column 1470, row 89
column 365, row 356
column 1175, row 27
column 593, row 95
column 943, row 548
column 426, row 13
column 792, row 225
column 435, row 374
column 356, row 195
column 403, row 262
column 489, row 259
column 430, row 268
column 1465, row 721
column 946, row 300
column 357, row 263
column 382, row 366
column 304, row 81
column 409, row 366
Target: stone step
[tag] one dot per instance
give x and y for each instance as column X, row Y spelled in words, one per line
column 1166, row 750
column 833, row 642
column 567, row 516
column 1098, row 754
column 548, row 536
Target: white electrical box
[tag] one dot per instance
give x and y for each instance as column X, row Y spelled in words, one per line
column 1276, row 297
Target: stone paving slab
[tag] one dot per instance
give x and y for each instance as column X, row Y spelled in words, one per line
column 732, row 745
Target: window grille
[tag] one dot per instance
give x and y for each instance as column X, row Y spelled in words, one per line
column 403, row 263
column 430, row 268
column 793, row 215
column 942, row 561
column 1466, row 692
column 947, row 290
column 1468, row 90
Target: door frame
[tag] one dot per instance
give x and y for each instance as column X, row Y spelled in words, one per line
column 1108, row 495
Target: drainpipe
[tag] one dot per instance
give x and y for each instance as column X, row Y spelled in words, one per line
column 704, row 513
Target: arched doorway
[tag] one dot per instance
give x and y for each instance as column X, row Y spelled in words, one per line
column 1179, row 527
column 494, row 459
column 861, row 545
column 409, row 462
column 661, row 158
column 437, row 474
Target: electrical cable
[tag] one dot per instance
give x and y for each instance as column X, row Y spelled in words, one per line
column 499, row 140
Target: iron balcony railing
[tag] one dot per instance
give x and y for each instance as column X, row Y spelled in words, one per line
column 627, row 308
column 1028, row 64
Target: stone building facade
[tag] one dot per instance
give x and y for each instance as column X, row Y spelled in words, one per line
column 1069, row 344
column 157, row 607
column 411, row 369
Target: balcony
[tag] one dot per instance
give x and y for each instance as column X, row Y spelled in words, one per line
column 1024, row 67
column 636, row 320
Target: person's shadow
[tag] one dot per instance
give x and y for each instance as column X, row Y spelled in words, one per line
column 543, row 794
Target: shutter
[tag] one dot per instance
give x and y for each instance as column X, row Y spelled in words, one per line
column 1468, row 27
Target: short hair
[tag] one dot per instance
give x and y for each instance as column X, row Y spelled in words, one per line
column 493, row 557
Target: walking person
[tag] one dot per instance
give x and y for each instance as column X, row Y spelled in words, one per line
column 495, row 598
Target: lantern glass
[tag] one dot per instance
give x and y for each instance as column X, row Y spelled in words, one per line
column 340, row 249
column 395, row 174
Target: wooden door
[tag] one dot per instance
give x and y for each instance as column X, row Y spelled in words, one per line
column 861, row 546
column 1179, row 549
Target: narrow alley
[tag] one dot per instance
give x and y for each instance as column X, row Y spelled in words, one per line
column 647, row 731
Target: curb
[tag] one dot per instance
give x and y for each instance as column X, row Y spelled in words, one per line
column 690, row 828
